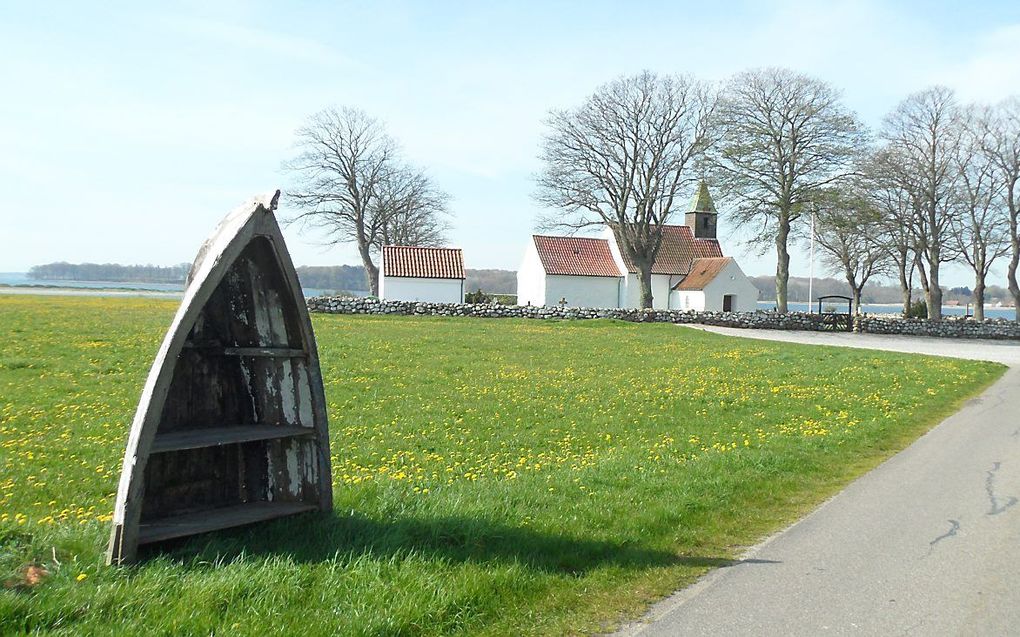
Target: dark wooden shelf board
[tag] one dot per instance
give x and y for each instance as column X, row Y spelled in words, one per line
column 216, row 519
column 215, row 436
column 268, row 352
column 265, row 352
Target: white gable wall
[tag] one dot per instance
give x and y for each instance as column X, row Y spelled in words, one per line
column 398, row 288
column 582, row 291
column 531, row 278
column 731, row 280
column 630, row 292
column 690, row 300
column 660, row 292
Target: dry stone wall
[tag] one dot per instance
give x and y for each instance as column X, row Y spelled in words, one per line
column 999, row 329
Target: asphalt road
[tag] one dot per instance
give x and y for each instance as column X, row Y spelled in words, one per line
column 926, row 544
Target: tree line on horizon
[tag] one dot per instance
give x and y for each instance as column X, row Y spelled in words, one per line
column 339, row 278
column 64, row 271
column 936, row 183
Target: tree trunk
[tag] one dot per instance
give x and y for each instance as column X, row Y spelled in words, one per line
column 782, row 266
column 905, row 285
column 934, row 296
column 855, row 289
column 979, row 297
column 371, row 271
column 1014, row 261
column 645, row 276
column 923, row 276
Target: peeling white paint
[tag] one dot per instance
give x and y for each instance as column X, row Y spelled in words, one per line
column 303, row 390
column 288, row 394
column 293, row 474
column 246, row 374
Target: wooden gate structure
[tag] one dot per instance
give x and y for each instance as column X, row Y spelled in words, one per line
column 837, row 321
column 231, row 427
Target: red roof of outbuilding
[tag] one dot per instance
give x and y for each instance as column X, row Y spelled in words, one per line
column 423, row 263
column 576, row 256
column 703, row 271
column 677, row 251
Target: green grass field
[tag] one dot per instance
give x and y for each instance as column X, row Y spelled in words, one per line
column 490, row 477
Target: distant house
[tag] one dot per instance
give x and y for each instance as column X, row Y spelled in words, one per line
column 595, row 272
column 422, row 274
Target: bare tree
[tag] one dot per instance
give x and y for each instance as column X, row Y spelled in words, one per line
column 980, row 230
column 894, row 225
column 1001, row 140
column 413, row 209
column 785, row 138
column 847, row 230
column 623, row 157
column 350, row 184
column 922, row 138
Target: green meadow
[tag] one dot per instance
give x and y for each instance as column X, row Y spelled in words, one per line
column 491, row 477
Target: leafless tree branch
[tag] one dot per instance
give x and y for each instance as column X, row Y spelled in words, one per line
column 623, row 157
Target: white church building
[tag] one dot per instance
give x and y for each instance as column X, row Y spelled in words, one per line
column 689, row 273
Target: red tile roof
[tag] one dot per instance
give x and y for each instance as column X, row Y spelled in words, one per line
column 703, row 271
column 425, row 263
column 576, row 256
column 678, row 249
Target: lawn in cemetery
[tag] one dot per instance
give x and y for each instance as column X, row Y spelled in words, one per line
column 490, row 476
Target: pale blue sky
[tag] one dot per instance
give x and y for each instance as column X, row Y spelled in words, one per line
column 128, row 130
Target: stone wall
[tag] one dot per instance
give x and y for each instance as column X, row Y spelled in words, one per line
column 999, row 329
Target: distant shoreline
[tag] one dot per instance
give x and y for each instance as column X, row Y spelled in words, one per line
column 50, row 286
column 51, row 290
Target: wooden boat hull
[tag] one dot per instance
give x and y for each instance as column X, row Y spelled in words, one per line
column 231, row 427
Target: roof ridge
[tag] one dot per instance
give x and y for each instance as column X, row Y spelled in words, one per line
column 422, row 247
column 560, row 236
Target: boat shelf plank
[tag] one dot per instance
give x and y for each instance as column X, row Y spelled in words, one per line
column 215, row 436
column 266, row 352
column 217, row 519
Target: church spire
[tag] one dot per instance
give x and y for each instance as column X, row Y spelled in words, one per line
column 702, row 201
column 702, row 214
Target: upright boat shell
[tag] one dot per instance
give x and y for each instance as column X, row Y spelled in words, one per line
column 231, row 427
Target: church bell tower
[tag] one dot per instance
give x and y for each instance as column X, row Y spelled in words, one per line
column 701, row 215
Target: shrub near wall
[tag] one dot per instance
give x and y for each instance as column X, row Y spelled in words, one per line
column 998, row 329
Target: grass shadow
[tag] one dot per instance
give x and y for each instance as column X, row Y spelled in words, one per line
column 314, row 538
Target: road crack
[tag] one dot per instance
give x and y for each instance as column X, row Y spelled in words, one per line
column 996, row 507
column 954, row 526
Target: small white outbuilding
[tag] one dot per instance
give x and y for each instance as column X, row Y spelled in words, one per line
column 570, row 271
column 433, row 275
column 715, row 284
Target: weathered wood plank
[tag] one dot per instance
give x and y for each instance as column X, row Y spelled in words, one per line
column 229, row 435
column 218, row 519
column 265, row 352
